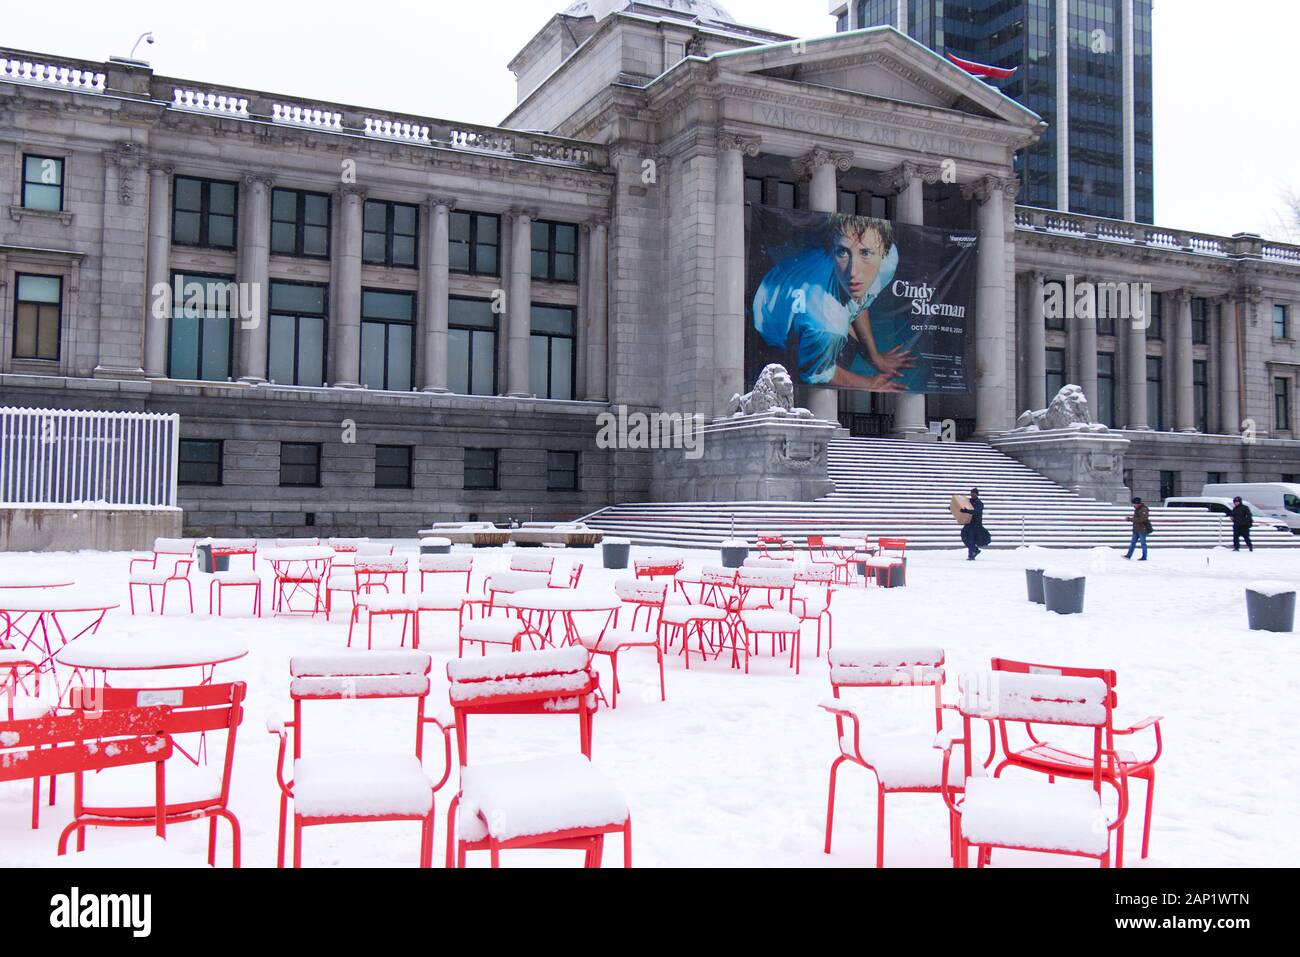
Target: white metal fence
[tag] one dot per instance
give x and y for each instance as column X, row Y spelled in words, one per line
column 56, row 457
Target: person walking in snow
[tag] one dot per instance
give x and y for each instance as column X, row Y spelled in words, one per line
column 1141, row 522
column 1242, row 521
column 974, row 535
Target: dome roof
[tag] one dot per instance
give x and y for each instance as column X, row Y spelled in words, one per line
column 706, row 9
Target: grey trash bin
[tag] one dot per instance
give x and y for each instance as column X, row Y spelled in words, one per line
column 208, row 565
column 1063, row 592
column 616, row 552
column 734, row 553
column 435, row 546
column 1270, row 606
column 1034, row 579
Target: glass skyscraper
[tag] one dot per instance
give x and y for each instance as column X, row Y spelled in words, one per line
column 1084, row 67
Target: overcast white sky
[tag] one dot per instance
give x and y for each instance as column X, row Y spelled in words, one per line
column 1227, row 120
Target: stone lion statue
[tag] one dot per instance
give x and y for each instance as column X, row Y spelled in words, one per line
column 773, row 393
column 1069, row 410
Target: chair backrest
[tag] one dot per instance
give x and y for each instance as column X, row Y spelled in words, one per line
column 360, row 675
column 1035, row 698
column 374, row 548
column 193, row 709
column 893, row 545
column 886, row 667
column 15, row 668
column 555, row 681
column 575, row 574
column 653, row 567
column 297, row 542
column 773, row 578
column 641, row 596
column 766, row 563
column 1029, row 668
column 379, row 564
column 447, row 563
column 173, row 546
column 67, row 744
column 344, row 545
column 532, row 563
column 817, row 543
column 233, row 546
column 815, row 575
column 714, row 575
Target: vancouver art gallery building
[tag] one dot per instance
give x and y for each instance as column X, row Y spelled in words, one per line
column 439, row 311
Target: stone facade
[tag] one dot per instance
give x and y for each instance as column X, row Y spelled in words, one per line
column 659, row 124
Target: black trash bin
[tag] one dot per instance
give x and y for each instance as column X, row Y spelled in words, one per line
column 616, row 552
column 734, row 553
column 1270, row 606
column 435, row 546
column 208, row 564
column 1063, row 592
column 1034, row 579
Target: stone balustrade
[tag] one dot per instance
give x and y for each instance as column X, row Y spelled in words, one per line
column 71, row 77
column 199, row 101
column 293, row 115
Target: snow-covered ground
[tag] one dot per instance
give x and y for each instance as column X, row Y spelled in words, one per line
column 732, row 769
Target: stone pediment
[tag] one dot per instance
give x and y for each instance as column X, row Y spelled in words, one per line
column 880, row 62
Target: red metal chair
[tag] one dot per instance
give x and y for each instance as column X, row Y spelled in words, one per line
column 891, row 559
column 344, row 547
column 575, row 576
column 446, row 565
column 121, row 798
column 171, row 561
column 341, row 579
column 812, row 602
column 485, row 628
column 818, row 555
column 532, row 563
column 1065, row 817
column 19, row 669
column 903, row 762
column 79, row 742
column 1056, row 761
column 646, row 601
column 351, row 788
column 555, row 802
column 374, row 571
column 507, row 583
column 235, row 579
column 381, row 605
column 657, row 567
column 775, row 546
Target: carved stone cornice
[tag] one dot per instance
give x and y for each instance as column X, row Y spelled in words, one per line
column 161, row 168
column 749, row 145
column 126, row 157
column 986, row 187
column 253, row 177
column 351, row 190
column 819, row 156
column 433, row 202
column 1181, row 297
column 898, row 178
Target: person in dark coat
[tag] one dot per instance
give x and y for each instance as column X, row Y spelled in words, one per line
column 1141, row 522
column 1242, row 521
column 975, row 536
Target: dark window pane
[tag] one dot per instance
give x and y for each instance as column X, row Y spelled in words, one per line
column 372, row 247
column 221, row 231
column 295, row 297
column 404, row 219
column 392, row 466
column 540, row 265
column 221, row 198
column 199, row 462
column 387, row 305
column 566, row 267
column 459, row 252
column 403, row 251
column 284, row 204
column 458, row 227
column 315, row 240
column 375, row 217
column 283, row 238
column 311, row 351
column 189, row 194
column 488, row 228
column 561, row 369
column 280, row 349
column 316, row 209
column 372, row 354
column 566, row 239
column 555, row 320
column 458, row 373
column 487, row 261
column 299, row 464
column 185, row 229
column 399, row 357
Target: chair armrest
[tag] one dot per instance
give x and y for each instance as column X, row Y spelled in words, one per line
column 840, row 710
column 446, row 724
column 1151, row 722
column 150, row 561
column 277, row 727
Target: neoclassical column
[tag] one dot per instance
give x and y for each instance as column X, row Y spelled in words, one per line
column 598, row 313
column 1139, row 417
column 993, row 194
column 157, row 314
column 255, row 274
column 1184, row 391
column 345, row 365
column 1229, row 369
column 729, row 267
column 519, row 303
column 1036, row 341
column 1085, row 341
column 821, row 167
column 909, row 181
column 437, row 286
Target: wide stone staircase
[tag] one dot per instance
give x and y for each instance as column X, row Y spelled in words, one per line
column 891, row 488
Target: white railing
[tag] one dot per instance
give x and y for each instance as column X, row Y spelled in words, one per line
column 201, row 101
column 92, row 459
column 24, row 71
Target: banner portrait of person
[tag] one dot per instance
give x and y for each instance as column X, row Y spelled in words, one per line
column 855, row 302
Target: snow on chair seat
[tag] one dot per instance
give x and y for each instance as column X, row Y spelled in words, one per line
column 1066, row 817
column 907, row 761
column 492, row 631
column 780, row 625
column 238, row 577
column 383, row 604
column 361, row 786
column 646, row 601
column 441, row 601
column 509, row 582
column 134, row 786
column 610, row 641
column 522, row 799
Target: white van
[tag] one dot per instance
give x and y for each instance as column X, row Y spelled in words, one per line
column 1279, row 500
column 1223, row 506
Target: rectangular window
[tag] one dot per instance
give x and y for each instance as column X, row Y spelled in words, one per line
column 1281, row 322
column 300, row 224
column 1106, row 323
column 1054, row 318
column 562, row 471
column 297, row 334
column 1201, row 394
column 1055, row 372
column 475, row 243
column 754, row 190
column 1155, row 393
column 1157, row 311
column 200, row 335
column 203, row 212
column 1282, row 404
column 481, row 469
column 300, row 464
column 1168, row 485
column 43, row 183
column 787, row 195
column 38, row 316
column 199, row 462
column 1200, row 321
column 387, row 340
column 555, row 252
column 471, row 347
column 390, row 234
column 392, row 466
column 551, row 350
column 848, row 203
column 1106, row 388
column 1217, row 478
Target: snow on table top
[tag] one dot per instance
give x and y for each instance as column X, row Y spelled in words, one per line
column 540, row 796
column 130, row 652
column 301, row 553
column 43, row 600
column 19, row 579
column 565, row 599
column 1271, row 589
column 355, row 663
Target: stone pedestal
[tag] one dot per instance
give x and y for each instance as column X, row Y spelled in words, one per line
column 1086, row 462
column 764, row 457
